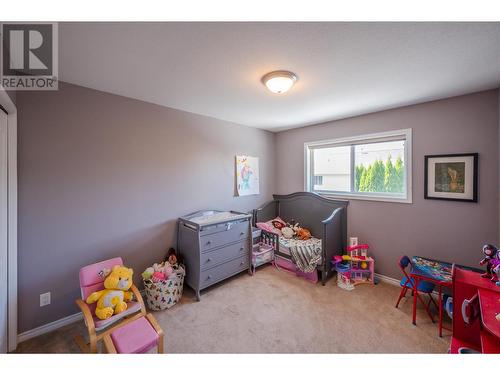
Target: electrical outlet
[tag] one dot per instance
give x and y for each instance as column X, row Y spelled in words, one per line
column 45, row 299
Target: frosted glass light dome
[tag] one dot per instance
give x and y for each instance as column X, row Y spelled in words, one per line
column 279, row 81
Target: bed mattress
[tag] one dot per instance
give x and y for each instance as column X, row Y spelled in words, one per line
column 285, row 245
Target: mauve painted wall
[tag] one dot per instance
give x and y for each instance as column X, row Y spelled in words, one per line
column 12, row 95
column 102, row 176
column 451, row 231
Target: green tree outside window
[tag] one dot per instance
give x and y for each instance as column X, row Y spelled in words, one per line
column 379, row 177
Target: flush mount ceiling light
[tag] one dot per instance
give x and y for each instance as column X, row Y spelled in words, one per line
column 279, row 81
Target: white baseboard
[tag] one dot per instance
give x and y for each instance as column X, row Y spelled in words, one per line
column 396, row 282
column 387, row 279
column 49, row 327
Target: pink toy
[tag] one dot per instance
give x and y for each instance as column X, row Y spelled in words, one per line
column 362, row 266
column 495, row 271
column 158, row 276
column 164, row 269
column 358, row 250
column 337, row 258
column 359, row 269
column 168, row 271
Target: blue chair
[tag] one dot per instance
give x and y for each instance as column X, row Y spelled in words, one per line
column 423, row 286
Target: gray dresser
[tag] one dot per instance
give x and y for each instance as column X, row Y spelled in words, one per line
column 215, row 245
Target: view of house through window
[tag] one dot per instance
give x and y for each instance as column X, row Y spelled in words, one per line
column 332, row 168
column 361, row 167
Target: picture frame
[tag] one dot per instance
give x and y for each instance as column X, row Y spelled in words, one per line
column 452, row 177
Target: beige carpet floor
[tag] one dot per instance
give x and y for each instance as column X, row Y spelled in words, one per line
column 276, row 312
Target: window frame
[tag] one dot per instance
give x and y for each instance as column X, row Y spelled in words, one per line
column 316, row 183
column 394, row 135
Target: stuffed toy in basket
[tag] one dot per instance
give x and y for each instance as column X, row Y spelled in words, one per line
column 164, row 283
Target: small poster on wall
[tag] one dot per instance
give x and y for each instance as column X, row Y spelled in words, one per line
column 247, row 175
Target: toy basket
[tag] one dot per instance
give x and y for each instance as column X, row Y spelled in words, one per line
column 164, row 294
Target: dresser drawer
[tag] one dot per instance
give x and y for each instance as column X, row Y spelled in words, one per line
column 237, row 232
column 213, row 275
column 215, row 257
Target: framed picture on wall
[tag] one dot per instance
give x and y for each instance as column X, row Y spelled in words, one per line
column 451, row 177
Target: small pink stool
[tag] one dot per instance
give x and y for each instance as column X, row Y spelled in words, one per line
column 138, row 336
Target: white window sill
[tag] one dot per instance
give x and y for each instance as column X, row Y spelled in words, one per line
column 366, row 197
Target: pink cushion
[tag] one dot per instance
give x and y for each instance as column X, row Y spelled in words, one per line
column 88, row 290
column 137, row 336
column 269, row 227
column 266, row 227
column 132, row 307
column 89, row 275
column 91, row 279
column 277, row 218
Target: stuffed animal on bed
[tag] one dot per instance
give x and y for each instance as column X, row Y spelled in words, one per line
column 303, row 234
column 300, row 233
column 112, row 300
column 287, row 232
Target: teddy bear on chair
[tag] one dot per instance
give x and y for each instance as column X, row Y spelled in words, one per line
column 112, row 300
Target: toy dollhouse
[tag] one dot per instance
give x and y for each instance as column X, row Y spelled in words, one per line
column 355, row 268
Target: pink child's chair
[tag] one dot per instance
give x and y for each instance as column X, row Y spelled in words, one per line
column 92, row 280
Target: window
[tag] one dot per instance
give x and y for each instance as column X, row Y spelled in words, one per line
column 317, row 181
column 375, row 167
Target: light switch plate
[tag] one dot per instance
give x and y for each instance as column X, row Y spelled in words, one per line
column 45, row 299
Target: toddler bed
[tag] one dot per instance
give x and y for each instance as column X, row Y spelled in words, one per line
column 325, row 218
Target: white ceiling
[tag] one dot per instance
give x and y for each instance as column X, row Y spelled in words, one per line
column 344, row 69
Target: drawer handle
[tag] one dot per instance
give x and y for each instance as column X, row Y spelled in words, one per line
column 209, row 242
column 242, row 248
column 242, row 263
column 209, row 277
column 242, row 233
column 209, row 259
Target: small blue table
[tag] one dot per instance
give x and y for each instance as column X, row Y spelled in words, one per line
column 436, row 272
